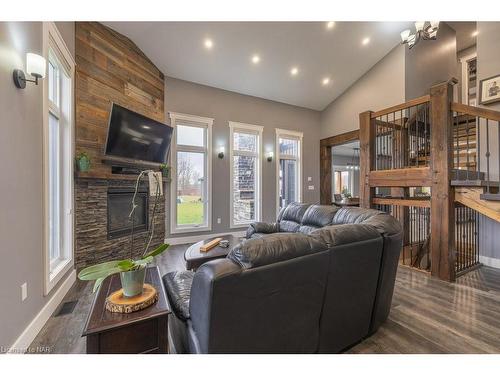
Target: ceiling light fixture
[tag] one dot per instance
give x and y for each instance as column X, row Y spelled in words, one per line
column 294, row 71
column 326, row 81
column 474, row 34
column 365, row 41
column 330, row 25
column 423, row 30
column 255, row 59
column 208, row 43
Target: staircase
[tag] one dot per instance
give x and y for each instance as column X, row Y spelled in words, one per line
column 451, row 148
column 474, row 184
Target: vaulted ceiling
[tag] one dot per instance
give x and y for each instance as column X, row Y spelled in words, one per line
column 339, row 53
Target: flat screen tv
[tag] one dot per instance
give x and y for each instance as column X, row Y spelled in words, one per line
column 134, row 136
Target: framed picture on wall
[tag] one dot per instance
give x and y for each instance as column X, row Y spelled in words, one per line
column 489, row 90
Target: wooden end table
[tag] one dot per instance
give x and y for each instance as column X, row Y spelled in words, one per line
column 195, row 258
column 143, row 331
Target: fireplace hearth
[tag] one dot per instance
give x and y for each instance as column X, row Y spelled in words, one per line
column 119, row 206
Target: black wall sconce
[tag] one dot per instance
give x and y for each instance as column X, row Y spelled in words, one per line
column 35, row 67
column 269, row 156
column 221, row 152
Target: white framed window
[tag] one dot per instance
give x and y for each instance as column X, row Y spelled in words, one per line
column 191, row 161
column 58, row 155
column 245, row 155
column 288, row 167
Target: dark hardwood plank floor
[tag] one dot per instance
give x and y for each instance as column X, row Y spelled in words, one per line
column 428, row 315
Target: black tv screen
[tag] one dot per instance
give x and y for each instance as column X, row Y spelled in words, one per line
column 134, row 136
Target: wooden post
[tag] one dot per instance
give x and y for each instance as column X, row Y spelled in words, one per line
column 442, row 244
column 325, row 174
column 367, row 157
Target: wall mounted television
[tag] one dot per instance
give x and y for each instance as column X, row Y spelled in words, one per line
column 136, row 138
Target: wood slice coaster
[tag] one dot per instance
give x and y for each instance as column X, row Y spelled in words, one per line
column 117, row 302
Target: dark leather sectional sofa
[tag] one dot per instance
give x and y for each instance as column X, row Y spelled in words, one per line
column 319, row 280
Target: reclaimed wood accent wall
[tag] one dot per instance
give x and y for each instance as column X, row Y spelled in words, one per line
column 110, row 68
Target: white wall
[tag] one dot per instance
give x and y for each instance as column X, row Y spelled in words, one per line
column 21, row 225
column 488, row 64
column 382, row 86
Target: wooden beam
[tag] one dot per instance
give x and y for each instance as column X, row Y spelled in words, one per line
column 325, row 174
column 476, row 111
column 340, row 139
column 403, row 202
column 325, row 157
column 399, row 107
column 442, row 244
column 367, row 133
column 405, row 177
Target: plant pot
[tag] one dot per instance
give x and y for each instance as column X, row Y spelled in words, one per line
column 83, row 164
column 133, row 282
column 165, row 172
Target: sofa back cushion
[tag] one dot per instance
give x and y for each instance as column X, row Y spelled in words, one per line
column 273, row 248
column 291, row 217
column 353, row 215
column 317, row 216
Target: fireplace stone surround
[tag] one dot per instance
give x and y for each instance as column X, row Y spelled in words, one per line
column 92, row 244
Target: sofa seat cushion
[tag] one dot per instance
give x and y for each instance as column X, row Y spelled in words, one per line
column 274, row 248
column 178, row 288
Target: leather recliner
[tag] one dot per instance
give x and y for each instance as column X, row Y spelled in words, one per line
column 291, row 292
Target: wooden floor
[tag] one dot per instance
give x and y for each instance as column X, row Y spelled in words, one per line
column 427, row 316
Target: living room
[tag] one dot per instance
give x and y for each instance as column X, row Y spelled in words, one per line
column 258, row 187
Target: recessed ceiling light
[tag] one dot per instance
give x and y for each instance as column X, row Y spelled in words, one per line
column 294, row 71
column 255, row 59
column 365, row 41
column 474, row 34
column 208, row 43
column 325, row 81
column 330, row 25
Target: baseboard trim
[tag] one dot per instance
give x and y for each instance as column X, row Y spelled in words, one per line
column 26, row 338
column 490, row 262
column 201, row 237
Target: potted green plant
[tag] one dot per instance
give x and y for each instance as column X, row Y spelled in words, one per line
column 132, row 271
column 83, row 162
column 165, row 170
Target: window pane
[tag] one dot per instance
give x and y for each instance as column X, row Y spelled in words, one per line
column 288, row 182
column 245, row 141
column 190, row 188
column 53, row 83
column 190, row 136
column 244, row 188
column 54, row 188
column 289, row 147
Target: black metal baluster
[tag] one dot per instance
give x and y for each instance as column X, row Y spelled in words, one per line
column 478, row 145
column 487, row 155
column 457, row 160
column 467, row 139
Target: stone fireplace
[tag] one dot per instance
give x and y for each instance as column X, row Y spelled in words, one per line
column 102, row 228
column 119, row 206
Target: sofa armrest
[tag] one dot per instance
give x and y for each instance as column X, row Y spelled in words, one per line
column 261, row 227
column 178, row 288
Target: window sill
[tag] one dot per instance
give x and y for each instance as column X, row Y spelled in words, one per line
column 190, row 230
column 57, row 274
